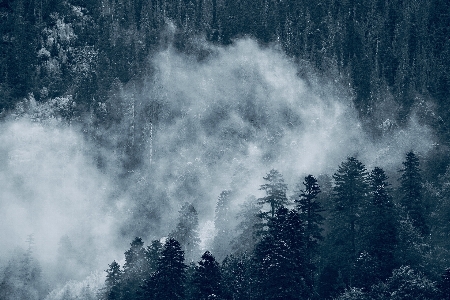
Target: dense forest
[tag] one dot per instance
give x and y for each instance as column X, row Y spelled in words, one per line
column 85, row 50
column 143, row 111
column 374, row 243
column 358, row 238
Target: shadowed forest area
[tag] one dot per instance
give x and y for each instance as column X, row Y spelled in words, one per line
column 356, row 238
column 160, row 119
column 86, row 50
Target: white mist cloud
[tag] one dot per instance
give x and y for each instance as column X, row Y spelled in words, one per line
column 49, row 187
column 244, row 110
column 220, row 123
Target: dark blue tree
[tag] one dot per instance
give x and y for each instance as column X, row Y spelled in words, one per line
column 412, row 193
column 113, row 289
column 168, row 282
column 279, row 266
column 207, row 278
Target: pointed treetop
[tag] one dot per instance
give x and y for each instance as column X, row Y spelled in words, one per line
column 350, row 184
column 380, row 187
column 275, row 189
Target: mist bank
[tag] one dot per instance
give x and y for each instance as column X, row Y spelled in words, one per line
column 222, row 121
column 200, row 124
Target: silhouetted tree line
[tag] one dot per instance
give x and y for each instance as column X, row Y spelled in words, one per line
column 88, row 49
column 359, row 238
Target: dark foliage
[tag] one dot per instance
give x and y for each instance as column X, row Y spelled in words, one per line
column 398, row 46
column 113, row 282
column 365, row 254
column 444, row 285
column 86, row 52
column 380, row 230
column 280, row 269
column 168, row 281
column 351, row 191
column 236, row 280
column 207, row 279
column 412, row 193
column 310, row 209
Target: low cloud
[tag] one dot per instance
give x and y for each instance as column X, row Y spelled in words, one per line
column 199, row 126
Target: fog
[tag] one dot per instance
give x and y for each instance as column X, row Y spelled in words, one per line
column 50, row 188
column 199, row 124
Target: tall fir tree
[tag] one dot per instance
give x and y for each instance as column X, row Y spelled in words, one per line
column 223, row 225
column 350, row 192
column 441, row 222
column 275, row 189
column 152, row 254
column 235, row 274
column 186, row 231
column 280, row 269
column 207, row 279
column 113, row 289
column 168, row 282
column 383, row 236
column 134, row 270
column 21, row 277
column 379, row 231
column 412, row 193
column 309, row 209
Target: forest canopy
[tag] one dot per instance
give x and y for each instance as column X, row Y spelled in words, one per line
column 247, row 149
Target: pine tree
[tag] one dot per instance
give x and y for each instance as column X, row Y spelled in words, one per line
column 223, row 225
column 309, row 210
column 152, row 254
column 441, row 223
column 134, row 269
column 186, row 231
column 411, row 191
column 248, row 228
column 379, row 233
column 207, row 278
column 350, row 194
column 169, row 279
column 113, row 282
column 382, row 233
column 275, row 189
column 279, row 265
column 236, row 279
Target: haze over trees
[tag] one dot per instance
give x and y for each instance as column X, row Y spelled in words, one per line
column 95, row 68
